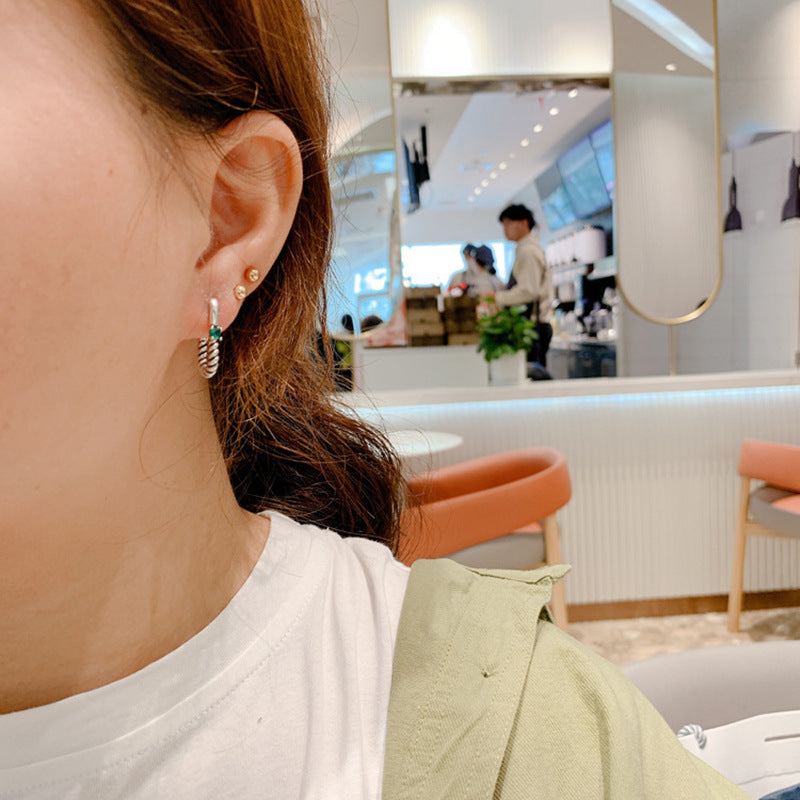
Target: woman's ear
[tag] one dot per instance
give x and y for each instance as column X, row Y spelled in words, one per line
column 256, row 187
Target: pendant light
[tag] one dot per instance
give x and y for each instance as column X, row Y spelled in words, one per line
column 791, row 208
column 733, row 219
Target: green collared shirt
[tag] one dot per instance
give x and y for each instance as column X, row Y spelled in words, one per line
column 490, row 700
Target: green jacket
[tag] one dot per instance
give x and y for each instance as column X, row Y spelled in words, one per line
column 491, row 700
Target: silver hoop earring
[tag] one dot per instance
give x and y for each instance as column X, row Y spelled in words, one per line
column 208, row 346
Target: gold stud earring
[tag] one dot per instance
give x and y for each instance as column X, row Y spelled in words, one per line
column 240, row 292
column 253, row 275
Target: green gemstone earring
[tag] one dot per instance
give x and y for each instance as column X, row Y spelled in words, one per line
column 208, row 346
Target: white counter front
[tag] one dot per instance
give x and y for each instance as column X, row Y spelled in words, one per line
column 653, row 466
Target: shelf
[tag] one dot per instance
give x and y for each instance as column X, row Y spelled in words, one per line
column 604, row 268
column 567, row 273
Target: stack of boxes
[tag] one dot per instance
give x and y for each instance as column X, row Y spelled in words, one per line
column 428, row 326
column 459, row 320
column 423, row 320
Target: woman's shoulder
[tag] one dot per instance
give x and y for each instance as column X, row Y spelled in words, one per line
column 354, row 567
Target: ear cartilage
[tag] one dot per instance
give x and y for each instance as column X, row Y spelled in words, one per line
column 208, row 346
column 240, row 292
column 253, row 275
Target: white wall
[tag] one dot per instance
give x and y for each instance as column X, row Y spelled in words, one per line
column 437, row 226
column 759, row 65
column 753, row 323
column 509, row 37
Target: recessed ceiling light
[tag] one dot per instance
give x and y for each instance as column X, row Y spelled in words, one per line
column 471, row 198
column 538, row 128
column 572, row 94
column 493, row 174
column 524, row 142
column 478, row 191
column 671, row 67
column 553, row 111
column 502, row 165
column 484, row 183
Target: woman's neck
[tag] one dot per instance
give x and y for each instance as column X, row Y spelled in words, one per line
column 125, row 561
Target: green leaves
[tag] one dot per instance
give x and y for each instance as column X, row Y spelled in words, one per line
column 505, row 332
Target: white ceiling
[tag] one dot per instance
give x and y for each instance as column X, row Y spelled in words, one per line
column 479, row 138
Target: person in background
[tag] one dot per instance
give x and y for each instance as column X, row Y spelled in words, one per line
column 485, row 281
column 198, row 593
column 460, row 279
column 530, row 282
column 343, row 356
column 480, row 276
column 370, row 322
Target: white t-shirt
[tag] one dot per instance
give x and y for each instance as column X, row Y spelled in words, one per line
column 283, row 695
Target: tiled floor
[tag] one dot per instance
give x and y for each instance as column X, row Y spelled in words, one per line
column 625, row 640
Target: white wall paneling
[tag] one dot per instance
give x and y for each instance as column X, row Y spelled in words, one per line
column 654, row 481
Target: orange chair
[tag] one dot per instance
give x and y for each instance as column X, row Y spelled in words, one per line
column 771, row 509
column 490, row 511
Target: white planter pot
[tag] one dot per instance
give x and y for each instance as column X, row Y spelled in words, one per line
column 508, row 370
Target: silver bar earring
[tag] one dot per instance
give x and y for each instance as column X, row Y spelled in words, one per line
column 208, row 346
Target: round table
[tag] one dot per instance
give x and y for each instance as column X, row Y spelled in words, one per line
column 416, row 448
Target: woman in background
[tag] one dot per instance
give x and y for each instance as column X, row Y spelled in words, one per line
column 479, row 276
column 197, row 592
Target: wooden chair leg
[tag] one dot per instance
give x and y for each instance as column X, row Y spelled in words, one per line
column 552, row 554
column 737, row 573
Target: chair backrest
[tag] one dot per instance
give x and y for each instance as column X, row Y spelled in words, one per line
column 775, row 463
column 713, row 686
column 459, row 506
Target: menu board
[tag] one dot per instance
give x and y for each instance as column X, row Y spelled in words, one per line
column 582, row 179
column 557, row 208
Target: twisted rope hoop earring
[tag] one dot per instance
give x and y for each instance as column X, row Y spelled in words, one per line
column 208, row 346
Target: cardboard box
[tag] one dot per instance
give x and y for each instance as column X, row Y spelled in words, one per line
column 462, row 338
column 426, row 341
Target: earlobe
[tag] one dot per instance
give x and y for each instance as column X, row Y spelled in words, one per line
column 254, row 197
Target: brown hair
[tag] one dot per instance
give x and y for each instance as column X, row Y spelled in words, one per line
column 196, row 64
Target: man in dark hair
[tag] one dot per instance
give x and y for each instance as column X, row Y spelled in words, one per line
column 530, row 282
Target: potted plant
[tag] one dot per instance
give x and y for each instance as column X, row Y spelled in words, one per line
column 505, row 336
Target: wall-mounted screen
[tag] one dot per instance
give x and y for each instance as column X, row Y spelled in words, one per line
column 582, row 180
column 556, row 205
column 558, row 209
column 602, row 140
column 409, row 189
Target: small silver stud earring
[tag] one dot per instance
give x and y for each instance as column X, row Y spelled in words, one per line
column 253, row 275
column 240, row 292
column 208, row 346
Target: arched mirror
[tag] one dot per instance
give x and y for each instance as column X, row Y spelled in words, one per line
column 365, row 283
column 668, row 239
column 364, row 287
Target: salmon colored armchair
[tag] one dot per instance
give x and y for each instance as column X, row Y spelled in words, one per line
column 469, row 510
column 771, row 509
